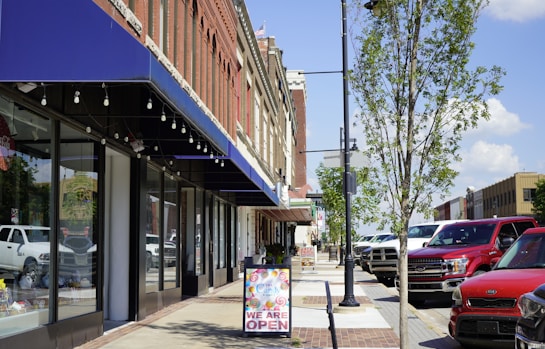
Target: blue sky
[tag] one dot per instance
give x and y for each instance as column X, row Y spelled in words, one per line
column 510, row 34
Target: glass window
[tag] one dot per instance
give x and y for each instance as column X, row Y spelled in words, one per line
column 222, row 246
column 171, row 226
column 152, row 231
column 25, row 194
column 78, row 193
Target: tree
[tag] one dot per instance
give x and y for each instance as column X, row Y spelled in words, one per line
column 418, row 95
column 539, row 200
column 364, row 203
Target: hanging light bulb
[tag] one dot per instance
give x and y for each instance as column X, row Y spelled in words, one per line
column 116, row 135
column 205, row 149
column 217, row 160
column 199, row 145
column 171, row 162
column 156, row 147
column 126, row 139
column 183, row 128
column 222, row 163
column 44, row 98
column 178, row 173
column 150, row 103
column 163, row 115
column 138, row 155
column 88, row 129
column 106, row 101
column 103, row 141
column 190, row 138
column 211, row 154
column 148, row 157
column 173, row 123
column 164, row 168
column 76, row 97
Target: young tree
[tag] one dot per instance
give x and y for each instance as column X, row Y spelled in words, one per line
column 418, row 95
column 364, row 203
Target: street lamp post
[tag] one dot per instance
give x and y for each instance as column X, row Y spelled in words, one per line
column 349, row 299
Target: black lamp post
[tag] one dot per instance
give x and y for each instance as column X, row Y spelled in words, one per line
column 349, row 182
column 349, row 299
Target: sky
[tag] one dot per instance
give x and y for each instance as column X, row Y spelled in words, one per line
column 510, row 34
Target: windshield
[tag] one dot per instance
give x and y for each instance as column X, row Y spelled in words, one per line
column 467, row 234
column 527, row 252
column 380, row 238
column 422, row 231
column 38, row 235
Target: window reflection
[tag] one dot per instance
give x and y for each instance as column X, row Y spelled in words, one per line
column 25, row 194
column 171, row 212
column 77, row 247
column 153, row 252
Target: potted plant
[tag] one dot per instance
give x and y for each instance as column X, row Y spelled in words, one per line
column 276, row 251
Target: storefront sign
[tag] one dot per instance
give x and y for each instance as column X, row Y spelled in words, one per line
column 308, row 256
column 267, row 306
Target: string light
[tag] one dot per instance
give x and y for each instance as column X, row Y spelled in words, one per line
column 199, row 145
column 106, row 98
column 44, row 98
column 150, row 103
column 173, row 122
column 163, row 115
column 183, row 128
column 190, row 138
column 76, row 97
column 211, row 154
column 222, row 164
column 156, row 147
column 88, row 129
column 205, row 150
column 116, row 135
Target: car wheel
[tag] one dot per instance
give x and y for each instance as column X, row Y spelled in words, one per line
column 31, row 272
column 149, row 262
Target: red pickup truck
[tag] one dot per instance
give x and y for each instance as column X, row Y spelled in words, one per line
column 459, row 251
column 485, row 309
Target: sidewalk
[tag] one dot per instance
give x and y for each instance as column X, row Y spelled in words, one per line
column 216, row 320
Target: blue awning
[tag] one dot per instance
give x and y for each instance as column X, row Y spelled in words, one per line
column 76, row 41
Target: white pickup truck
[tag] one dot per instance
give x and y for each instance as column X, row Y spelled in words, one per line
column 24, row 251
column 383, row 259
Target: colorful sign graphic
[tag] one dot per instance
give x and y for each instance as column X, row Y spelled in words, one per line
column 267, row 300
column 308, row 256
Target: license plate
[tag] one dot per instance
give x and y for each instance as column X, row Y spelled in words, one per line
column 487, row 327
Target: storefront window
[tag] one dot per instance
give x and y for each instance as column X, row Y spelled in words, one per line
column 25, row 193
column 222, row 246
column 152, row 230
column 78, row 236
column 171, row 226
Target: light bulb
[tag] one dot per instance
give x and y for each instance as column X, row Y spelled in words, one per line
column 199, row 145
column 178, row 173
column 103, row 141
column 217, row 160
column 150, row 104
column 190, row 138
column 163, row 116
column 148, row 157
column 183, row 128
column 88, row 129
column 211, row 155
column 76, row 97
column 222, row 164
column 126, row 139
column 138, row 155
column 44, row 100
column 173, row 124
column 106, row 101
column 171, row 162
column 164, row 168
column 156, row 148
column 205, row 150
column 116, row 135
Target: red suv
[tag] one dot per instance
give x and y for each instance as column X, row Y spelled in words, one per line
column 484, row 309
column 458, row 251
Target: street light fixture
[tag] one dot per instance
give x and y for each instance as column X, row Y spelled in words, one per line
column 349, row 299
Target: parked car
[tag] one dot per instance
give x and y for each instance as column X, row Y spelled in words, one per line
column 530, row 329
column 364, row 244
column 77, row 262
column 459, row 251
column 484, row 308
column 152, row 252
column 384, row 257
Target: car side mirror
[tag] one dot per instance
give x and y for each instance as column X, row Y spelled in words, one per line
column 506, row 242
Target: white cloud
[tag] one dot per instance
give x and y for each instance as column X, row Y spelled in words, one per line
column 502, row 122
column 516, row 10
column 487, row 159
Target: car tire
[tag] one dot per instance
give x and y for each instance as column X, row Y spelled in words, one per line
column 31, row 271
